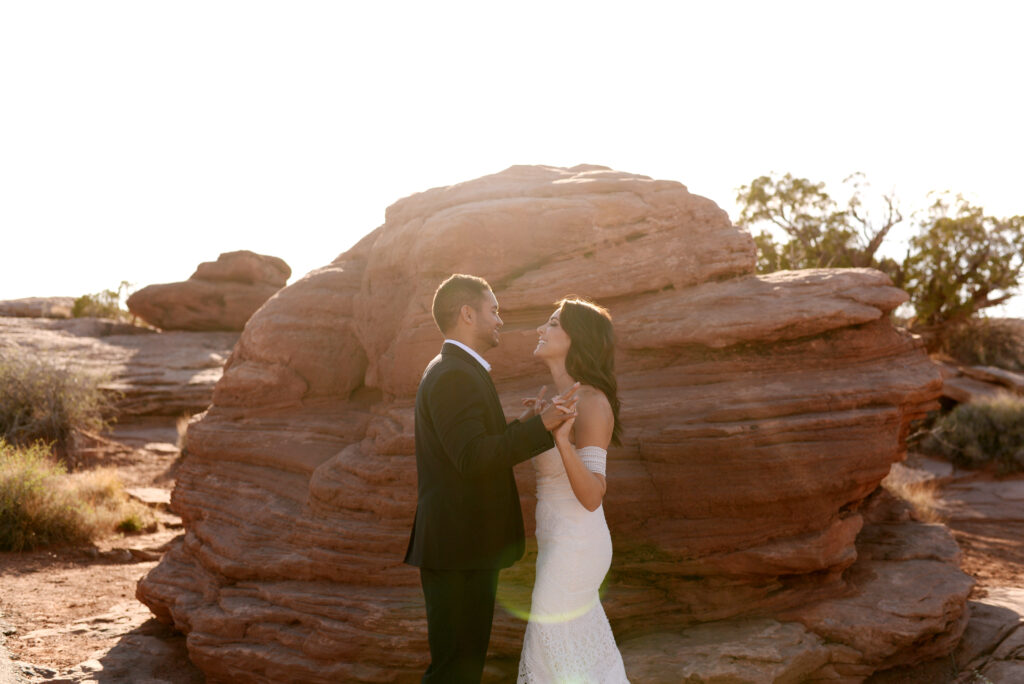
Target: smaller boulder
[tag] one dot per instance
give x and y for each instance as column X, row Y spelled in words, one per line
column 244, row 267
column 220, row 295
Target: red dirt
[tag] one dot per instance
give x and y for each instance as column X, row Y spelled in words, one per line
column 72, row 604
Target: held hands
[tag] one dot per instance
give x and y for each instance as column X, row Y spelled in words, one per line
column 535, row 405
column 561, row 410
column 561, row 433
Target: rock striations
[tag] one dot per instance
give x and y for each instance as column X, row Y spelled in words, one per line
column 761, row 413
column 220, row 295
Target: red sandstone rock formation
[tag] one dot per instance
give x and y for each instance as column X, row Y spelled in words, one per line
column 220, row 295
column 760, row 411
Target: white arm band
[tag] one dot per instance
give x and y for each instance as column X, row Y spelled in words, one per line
column 593, row 458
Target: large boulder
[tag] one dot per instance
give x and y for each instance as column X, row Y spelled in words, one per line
column 760, row 413
column 220, row 295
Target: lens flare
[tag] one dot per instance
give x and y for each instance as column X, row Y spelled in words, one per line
column 514, row 597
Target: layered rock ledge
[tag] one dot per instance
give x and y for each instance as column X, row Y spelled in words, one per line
column 761, row 413
column 152, row 374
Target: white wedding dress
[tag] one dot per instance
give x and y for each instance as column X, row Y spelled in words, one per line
column 568, row 639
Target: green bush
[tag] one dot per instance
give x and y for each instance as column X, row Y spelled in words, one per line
column 42, row 402
column 987, row 342
column 131, row 523
column 34, row 509
column 40, row 504
column 983, row 433
column 105, row 304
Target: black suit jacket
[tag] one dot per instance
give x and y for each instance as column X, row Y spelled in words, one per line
column 467, row 514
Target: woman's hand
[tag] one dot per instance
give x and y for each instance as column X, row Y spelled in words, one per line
column 558, row 409
column 562, row 432
column 535, row 405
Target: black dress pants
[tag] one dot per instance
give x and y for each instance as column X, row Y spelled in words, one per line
column 460, row 608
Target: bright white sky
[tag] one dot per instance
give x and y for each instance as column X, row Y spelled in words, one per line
column 139, row 138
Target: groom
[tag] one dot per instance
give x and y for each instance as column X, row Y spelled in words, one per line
column 468, row 522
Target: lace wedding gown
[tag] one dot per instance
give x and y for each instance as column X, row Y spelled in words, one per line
column 568, row 638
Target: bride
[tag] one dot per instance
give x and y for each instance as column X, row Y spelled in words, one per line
column 568, row 638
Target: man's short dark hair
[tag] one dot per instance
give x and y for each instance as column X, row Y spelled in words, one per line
column 457, row 290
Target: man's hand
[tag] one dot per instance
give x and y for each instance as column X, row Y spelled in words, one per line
column 562, row 407
column 535, row 405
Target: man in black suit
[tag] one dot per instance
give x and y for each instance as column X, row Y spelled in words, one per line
column 468, row 521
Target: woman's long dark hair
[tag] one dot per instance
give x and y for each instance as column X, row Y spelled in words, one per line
column 591, row 357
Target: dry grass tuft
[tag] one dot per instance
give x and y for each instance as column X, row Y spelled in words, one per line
column 919, row 491
column 41, row 504
column 181, row 424
column 108, row 508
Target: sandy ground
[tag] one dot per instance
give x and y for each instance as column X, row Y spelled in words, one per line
column 992, row 554
column 70, row 609
column 63, row 607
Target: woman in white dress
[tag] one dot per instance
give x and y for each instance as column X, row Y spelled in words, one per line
column 568, row 638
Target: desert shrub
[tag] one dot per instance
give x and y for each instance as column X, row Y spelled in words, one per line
column 105, row 304
column 131, row 523
column 40, row 504
column 34, row 509
column 987, row 342
column 43, row 402
column 106, row 505
column 983, row 433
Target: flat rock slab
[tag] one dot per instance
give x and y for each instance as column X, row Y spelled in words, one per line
column 984, row 498
column 1011, row 380
column 738, row 652
column 1010, row 598
column 887, row 615
column 149, row 654
column 38, row 307
column 139, row 432
column 9, row 674
column 168, row 374
column 803, row 303
column 990, row 624
column 151, row 496
column 1006, row 664
column 137, row 659
column 965, row 390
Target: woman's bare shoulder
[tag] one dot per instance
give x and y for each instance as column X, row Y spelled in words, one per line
column 596, row 420
column 593, row 399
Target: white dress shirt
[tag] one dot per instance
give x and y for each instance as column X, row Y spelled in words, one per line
column 480, row 359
